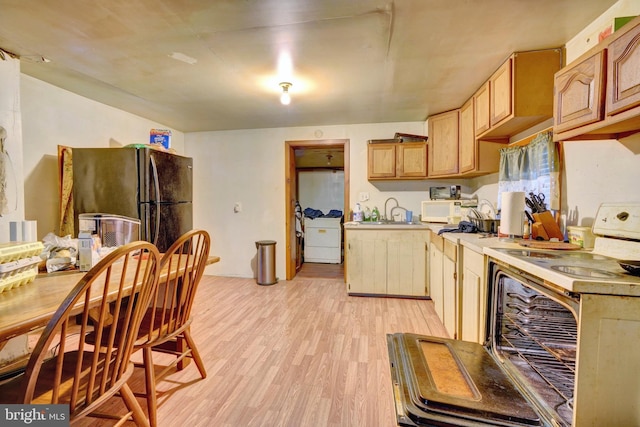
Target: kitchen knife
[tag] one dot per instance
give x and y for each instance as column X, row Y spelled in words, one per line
column 529, row 217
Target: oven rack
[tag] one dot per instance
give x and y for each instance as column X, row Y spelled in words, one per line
column 545, row 360
column 557, row 335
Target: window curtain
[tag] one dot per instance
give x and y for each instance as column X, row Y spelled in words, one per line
column 534, row 168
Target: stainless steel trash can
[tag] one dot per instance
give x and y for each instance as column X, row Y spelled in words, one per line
column 266, row 262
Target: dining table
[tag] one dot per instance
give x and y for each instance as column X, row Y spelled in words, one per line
column 26, row 308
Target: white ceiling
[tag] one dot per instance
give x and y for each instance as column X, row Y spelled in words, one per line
column 353, row 61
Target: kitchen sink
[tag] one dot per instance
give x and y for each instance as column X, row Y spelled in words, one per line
column 388, row 224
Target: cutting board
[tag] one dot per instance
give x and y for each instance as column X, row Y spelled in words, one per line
column 540, row 244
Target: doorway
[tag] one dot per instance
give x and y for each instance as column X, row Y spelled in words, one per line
column 292, row 165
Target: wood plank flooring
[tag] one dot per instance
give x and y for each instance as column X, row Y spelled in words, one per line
column 298, row 353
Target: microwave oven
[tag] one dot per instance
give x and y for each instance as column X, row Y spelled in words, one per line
column 445, row 211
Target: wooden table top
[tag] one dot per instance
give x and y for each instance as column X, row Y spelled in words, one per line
column 31, row 306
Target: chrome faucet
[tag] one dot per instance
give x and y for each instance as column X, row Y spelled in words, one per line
column 399, row 207
column 385, row 207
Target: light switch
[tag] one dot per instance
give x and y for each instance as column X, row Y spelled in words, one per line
column 237, row 207
column 364, row 196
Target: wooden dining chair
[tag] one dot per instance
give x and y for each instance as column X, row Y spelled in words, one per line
column 166, row 324
column 64, row 368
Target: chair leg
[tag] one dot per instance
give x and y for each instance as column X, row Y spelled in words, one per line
column 132, row 404
column 194, row 352
column 150, row 384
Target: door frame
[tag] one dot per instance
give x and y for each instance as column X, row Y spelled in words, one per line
column 291, row 188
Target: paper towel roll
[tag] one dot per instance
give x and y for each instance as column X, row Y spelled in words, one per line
column 15, row 231
column 512, row 214
column 29, row 231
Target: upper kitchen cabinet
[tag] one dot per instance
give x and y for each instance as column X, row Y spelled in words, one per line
column 598, row 95
column 481, row 110
column 443, row 143
column 403, row 160
column 579, row 93
column 477, row 156
column 521, row 92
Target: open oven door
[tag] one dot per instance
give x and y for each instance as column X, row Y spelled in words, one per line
column 445, row 382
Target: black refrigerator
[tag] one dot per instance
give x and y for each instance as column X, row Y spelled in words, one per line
column 153, row 186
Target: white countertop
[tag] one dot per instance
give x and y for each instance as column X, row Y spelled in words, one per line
column 356, row 225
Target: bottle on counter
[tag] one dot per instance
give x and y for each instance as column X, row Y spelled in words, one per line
column 358, row 215
column 367, row 214
column 375, row 214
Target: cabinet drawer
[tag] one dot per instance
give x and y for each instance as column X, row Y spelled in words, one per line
column 329, row 237
column 322, row 254
column 451, row 250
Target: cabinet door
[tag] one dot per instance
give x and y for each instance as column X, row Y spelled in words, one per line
column 443, row 143
column 481, row 109
column 467, row 148
column 473, row 304
column 367, row 263
column 579, row 94
column 381, row 160
column 436, row 285
column 623, row 78
column 500, row 93
column 450, row 284
column 407, row 263
column 412, row 160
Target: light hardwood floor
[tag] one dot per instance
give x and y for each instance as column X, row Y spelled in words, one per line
column 297, row 353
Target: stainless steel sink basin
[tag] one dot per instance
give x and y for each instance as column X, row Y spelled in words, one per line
column 390, row 223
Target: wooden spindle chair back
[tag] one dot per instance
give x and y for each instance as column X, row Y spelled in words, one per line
column 64, row 368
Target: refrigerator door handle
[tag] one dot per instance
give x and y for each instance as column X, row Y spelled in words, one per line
column 156, row 181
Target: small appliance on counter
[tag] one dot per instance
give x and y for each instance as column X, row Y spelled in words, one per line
column 446, row 211
column 113, row 230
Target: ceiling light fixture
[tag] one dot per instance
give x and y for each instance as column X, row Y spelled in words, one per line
column 285, row 98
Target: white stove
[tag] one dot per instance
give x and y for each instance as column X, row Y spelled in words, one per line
column 597, row 272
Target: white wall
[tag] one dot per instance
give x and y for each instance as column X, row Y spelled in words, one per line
column 52, row 116
column 10, row 120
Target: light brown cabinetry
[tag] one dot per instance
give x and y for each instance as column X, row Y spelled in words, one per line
column 406, row 160
column 521, row 92
column 466, row 142
column 443, row 143
column 481, row 109
column 386, row 262
column 476, row 156
column 623, row 76
column 621, row 81
column 473, row 291
column 443, row 281
column 579, row 93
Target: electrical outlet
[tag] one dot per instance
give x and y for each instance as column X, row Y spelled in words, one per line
column 364, row 196
column 237, row 207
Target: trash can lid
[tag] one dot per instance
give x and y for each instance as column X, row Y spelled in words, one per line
column 266, row 242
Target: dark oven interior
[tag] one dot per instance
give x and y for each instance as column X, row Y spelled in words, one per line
column 534, row 333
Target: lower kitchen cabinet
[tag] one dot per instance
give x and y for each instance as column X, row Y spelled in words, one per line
column 473, row 296
column 443, row 281
column 386, row 262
